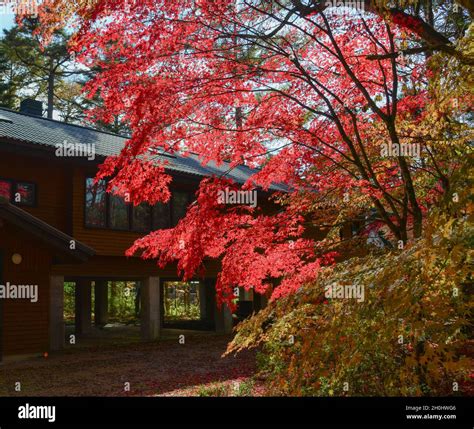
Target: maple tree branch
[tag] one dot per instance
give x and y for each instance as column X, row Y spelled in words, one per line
column 410, row 51
column 424, row 30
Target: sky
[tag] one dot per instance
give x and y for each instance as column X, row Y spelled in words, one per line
column 7, row 20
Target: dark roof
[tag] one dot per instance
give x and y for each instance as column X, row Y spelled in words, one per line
column 53, row 237
column 49, row 133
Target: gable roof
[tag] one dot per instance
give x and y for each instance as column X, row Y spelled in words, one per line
column 52, row 236
column 49, row 133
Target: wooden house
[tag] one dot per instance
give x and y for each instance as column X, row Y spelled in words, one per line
column 55, row 227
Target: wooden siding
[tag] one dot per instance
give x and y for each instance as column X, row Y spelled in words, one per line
column 119, row 268
column 52, row 185
column 60, row 202
column 103, row 241
column 25, row 323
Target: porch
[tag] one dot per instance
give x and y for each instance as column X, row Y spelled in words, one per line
column 160, row 308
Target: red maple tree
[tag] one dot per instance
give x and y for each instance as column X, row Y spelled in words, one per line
column 307, row 95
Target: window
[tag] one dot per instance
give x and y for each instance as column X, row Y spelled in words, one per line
column 161, row 216
column 24, row 194
column 119, row 213
column 179, row 203
column 5, row 190
column 104, row 210
column 20, row 193
column 141, row 218
column 96, row 204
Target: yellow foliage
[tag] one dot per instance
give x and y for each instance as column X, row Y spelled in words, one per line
column 410, row 335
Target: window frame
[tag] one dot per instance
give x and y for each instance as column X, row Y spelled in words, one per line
column 108, row 209
column 168, row 220
column 147, row 230
column 188, row 202
column 86, row 225
column 131, row 208
column 14, row 189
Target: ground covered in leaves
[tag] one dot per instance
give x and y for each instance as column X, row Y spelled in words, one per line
column 164, row 368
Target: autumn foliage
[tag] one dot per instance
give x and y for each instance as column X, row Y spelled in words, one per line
column 314, row 98
column 324, row 102
column 410, row 336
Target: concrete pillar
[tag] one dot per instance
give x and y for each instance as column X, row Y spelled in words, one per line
column 101, row 304
column 56, row 313
column 265, row 299
column 151, row 309
column 260, row 301
column 224, row 320
column 83, row 307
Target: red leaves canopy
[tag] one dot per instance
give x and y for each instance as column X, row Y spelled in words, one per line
column 300, row 97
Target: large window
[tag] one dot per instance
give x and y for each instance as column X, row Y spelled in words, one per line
column 105, row 210
column 141, row 218
column 179, row 204
column 161, row 216
column 5, row 190
column 96, row 203
column 20, row 193
column 119, row 213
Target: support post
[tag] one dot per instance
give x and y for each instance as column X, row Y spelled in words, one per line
column 224, row 320
column 151, row 309
column 202, row 300
column 101, row 304
column 83, row 307
column 56, row 313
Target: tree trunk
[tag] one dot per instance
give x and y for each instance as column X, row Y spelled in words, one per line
column 51, row 80
column 409, row 188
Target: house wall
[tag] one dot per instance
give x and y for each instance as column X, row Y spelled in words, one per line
column 60, row 185
column 25, row 323
column 60, row 200
column 122, row 268
column 52, row 182
column 106, row 242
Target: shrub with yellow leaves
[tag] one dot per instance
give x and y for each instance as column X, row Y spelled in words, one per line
column 409, row 336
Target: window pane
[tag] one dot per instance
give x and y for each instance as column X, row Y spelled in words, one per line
column 5, row 189
column 95, row 203
column 119, row 218
column 180, row 201
column 141, row 218
column 24, row 194
column 161, row 216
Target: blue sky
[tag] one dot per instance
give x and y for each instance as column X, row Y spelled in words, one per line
column 6, row 21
